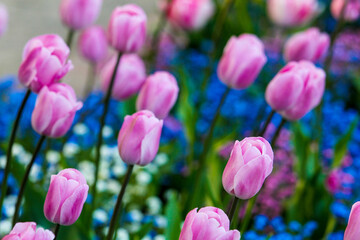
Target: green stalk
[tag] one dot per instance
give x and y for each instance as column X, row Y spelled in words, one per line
column 247, row 217
column 70, row 37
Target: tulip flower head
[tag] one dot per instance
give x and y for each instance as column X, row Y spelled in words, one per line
column 28, row 231
column 93, row 44
column 352, row 231
column 4, row 18
column 352, row 10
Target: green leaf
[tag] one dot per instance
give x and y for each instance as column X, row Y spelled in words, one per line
column 172, row 212
column 340, row 149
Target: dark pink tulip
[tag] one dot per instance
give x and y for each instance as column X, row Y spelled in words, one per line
column 250, row 163
column 139, row 138
column 242, row 61
column 289, row 13
column 352, row 231
column 296, row 89
column 44, row 62
column 93, row 44
column 352, row 11
column 311, row 45
column 130, row 76
column 127, row 28
column 55, row 110
column 190, row 14
column 79, row 14
column 208, row 223
column 4, row 18
column 28, row 231
column 158, row 94
column 66, row 197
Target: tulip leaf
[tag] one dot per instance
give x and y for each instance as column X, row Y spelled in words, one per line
column 341, row 148
column 173, row 216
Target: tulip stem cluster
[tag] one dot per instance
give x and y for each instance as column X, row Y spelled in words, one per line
column 9, row 150
column 266, row 124
column 25, row 179
column 116, row 214
column 232, row 209
column 247, row 217
column 277, row 132
column 56, row 231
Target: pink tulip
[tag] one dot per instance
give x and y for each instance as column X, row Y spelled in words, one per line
column 242, row 61
column 55, row 110
column 208, row 223
column 158, row 94
column 190, row 14
column 290, row 13
column 79, row 14
column 139, row 138
column 296, row 89
column 130, row 76
column 310, row 45
column 28, row 231
column 4, row 18
column 44, row 62
column 352, row 231
column 250, row 163
column 127, row 28
column 66, row 197
column 93, row 44
column 352, row 11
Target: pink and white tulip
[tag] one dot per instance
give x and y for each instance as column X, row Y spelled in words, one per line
column 79, row 14
column 250, row 163
column 352, row 231
column 44, row 62
column 208, row 223
column 352, row 10
column 93, row 44
column 127, row 28
column 158, row 94
column 311, row 45
column 65, row 199
column 4, row 18
column 28, row 231
column 55, row 110
column 130, row 76
column 296, row 89
column 139, row 138
column 242, row 61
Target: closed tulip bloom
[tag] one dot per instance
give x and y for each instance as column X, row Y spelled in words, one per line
column 250, row 163
column 130, row 76
column 208, row 223
column 190, row 14
column 44, row 62
column 139, row 138
column 290, row 13
column 93, row 44
column 352, row 11
column 55, row 110
column 66, row 197
column 28, row 231
column 127, row 28
column 296, row 89
column 352, row 231
column 79, row 14
column 242, row 61
column 4, row 18
column 311, row 45
column 158, row 94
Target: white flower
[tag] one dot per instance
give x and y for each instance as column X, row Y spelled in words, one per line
column 122, row 234
column 154, row 205
column 143, row 178
column 52, row 157
column 80, row 129
column 70, row 149
column 101, row 215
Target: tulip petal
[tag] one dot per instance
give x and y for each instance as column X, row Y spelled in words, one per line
column 72, row 207
column 150, row 144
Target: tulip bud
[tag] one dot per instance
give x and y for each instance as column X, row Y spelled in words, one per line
column 352, row 11
column 208, row 223
column 55, row 110
column 139, row 138
column 79, row 14
column 290, row 13
column 44, row 62
column 296, row 89
column 66, row 197
column 127, row 28
column 28, row 231
column 3, row 19
column 352, row 231
column 242, row 61
column 158, row 94
column 251, row 161
column 130, row 76
column 310, row 45
column 93, row 44
column 190, row 14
